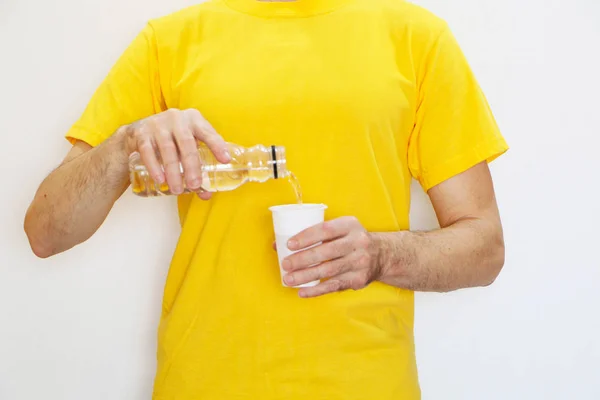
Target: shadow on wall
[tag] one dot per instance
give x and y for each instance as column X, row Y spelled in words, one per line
column 422, row 214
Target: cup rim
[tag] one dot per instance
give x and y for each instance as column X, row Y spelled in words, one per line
column 298, row 207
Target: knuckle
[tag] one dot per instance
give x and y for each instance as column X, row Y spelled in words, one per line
column 144, row 130
column 172, row 112
column 336, row 285
column 192, row 112
column 344, row 220
column 164, row 140
column 365, row 278
column 364, row 260
column 351, row 220
column 363, row 240
column 131, row 130
column 356, row 224
column 190, row 157
column 328, row 227
column 337, row 248
column 187, row 140
column 145, row 146
column 313, row 274
column 173, row 166
column 330, row 270
column 137, row 131
column 166, row 144
column 307, row 258
column 292, row 261
column 359, row 282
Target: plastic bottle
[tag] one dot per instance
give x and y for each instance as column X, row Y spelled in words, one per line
column 253, row 164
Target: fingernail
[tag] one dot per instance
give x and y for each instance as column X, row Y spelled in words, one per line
column 289, row 280
column 292, row 244
column 159, row 179
column 286, row 265
column 176, row 190
column 227, row 155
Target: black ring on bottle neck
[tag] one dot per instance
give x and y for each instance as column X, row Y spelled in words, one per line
column 274, row 155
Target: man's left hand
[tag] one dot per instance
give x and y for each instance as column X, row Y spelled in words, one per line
column 346, row 258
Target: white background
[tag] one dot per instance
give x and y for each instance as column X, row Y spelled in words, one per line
column 82, row 325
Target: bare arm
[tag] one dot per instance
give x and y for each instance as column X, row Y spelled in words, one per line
column 74, row 200
column 467, row 251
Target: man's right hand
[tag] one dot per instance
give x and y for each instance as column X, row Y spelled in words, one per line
column 167, row 139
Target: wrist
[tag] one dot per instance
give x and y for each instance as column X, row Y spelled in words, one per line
column 394, row 256
column 379, row 254
column 121, row 146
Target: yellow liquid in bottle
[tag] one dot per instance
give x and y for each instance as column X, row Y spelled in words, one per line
column 213, row 180
column 257, row 164
column 252, row 164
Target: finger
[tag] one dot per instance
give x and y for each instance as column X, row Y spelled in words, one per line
column 325, row 231
column 326, row 270
column 204, row 195
column 338, row 284
column 204, row 132
column 170, row 160
column 188, row 154
column 148, row 155
column 319, row 254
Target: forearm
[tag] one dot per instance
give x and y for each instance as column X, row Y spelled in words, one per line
column 74, row 200
column 468, row 253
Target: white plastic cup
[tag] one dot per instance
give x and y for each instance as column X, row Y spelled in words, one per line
column 289, row 220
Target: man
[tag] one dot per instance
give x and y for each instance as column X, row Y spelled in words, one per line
column 364, row 95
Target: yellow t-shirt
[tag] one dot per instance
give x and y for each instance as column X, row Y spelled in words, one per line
column 364, row 95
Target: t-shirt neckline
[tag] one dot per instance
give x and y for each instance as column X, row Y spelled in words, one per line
column 286, row 8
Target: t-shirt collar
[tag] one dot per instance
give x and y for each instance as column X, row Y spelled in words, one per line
column 286, row 8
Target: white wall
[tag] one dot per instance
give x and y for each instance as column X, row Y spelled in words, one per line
column 82, row 325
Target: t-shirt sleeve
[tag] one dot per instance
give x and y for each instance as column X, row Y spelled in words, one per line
column 454, row 127
column 131, row 91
